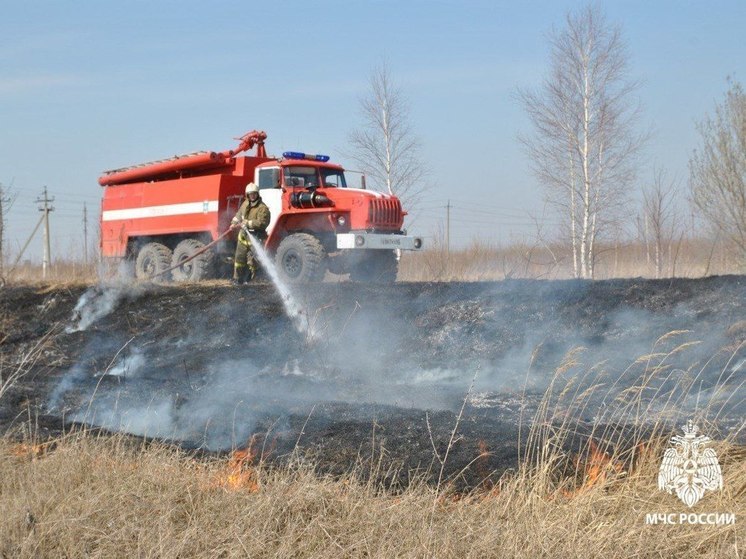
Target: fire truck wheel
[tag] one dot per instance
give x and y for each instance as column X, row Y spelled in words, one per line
column 380, row 266
column 198, row 268
column 152, row 260
column 301, row 259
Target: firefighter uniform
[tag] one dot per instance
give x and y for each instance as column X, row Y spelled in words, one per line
column 254, row 216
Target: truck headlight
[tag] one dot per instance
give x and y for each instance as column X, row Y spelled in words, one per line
column 341, row 220
column 359, row 240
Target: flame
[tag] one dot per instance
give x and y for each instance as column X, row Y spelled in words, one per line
column 596, row 469
column 25, row 450
column 240, row 473
column 448, row 497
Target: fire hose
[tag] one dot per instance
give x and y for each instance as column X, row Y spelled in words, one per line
column 195, row 255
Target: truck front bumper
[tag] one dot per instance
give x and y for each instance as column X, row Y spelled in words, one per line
column 364, row 240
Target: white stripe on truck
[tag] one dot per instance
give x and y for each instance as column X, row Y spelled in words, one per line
column 161, row 211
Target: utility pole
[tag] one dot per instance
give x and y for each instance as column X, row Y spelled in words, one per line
column 85, row 234
column 46, row 208
column 2, row 229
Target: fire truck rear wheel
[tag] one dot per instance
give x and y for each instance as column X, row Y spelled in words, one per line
column 152, row 260
column 301, row 259
column 380, row 266
column 198, row 268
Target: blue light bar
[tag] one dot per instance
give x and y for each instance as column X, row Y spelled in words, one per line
column 301, row 155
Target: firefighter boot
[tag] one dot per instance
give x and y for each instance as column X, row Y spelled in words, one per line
column 250, row 273
column 238, row 274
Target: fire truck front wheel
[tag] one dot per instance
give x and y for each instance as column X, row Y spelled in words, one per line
column 198, row 268
column 153, row 259
column 301, row 259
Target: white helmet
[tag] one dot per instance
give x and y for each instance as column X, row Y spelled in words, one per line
column 251, row 187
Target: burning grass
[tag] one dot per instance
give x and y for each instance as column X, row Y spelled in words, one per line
column 577, row 490
column 107, row 496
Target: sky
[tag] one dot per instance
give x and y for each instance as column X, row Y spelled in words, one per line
column 87, row 86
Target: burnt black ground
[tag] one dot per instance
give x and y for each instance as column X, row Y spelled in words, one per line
column 210, row 365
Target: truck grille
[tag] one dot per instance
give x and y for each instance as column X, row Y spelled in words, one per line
column 385, row 213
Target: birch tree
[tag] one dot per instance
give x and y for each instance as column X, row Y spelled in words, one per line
column 660, row 218
column 583, row 143
column 718, row 169
column 385, row 146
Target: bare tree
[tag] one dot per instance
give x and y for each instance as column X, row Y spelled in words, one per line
column 583, row 145
column 6, row 202
column 660, row 218
column 718, row 169
column 385, row 147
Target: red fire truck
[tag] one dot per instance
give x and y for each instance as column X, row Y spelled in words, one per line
column 158, row 215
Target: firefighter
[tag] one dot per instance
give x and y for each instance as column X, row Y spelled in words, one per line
column 252, row 216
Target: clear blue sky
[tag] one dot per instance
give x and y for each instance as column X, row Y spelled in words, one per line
column 90, row 85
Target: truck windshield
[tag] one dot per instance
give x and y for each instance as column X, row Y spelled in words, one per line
column 333, row 177
column 313, row 176
column 301, row 176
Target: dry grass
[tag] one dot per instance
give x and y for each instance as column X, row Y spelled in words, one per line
column 107, row 497
column 62, row 272
column 481, row 261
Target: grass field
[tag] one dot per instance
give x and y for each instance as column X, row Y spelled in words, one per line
column 88, row 495
column 482, row 261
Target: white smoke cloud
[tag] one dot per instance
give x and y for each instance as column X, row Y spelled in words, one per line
column 97, row 302
column 127, row 366
column 421, row 355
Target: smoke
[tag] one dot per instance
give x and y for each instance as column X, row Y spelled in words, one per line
column 127, row 366
column 71, row 379
column 229, row 363
column 738, row 366
column 103, row 354
column 155, row 420
column 217, row 412
column 97, row 302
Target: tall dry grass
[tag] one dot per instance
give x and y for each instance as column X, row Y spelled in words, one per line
column 482, row 261
column 92, row 495
column 63, row 271
column 107, row 497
